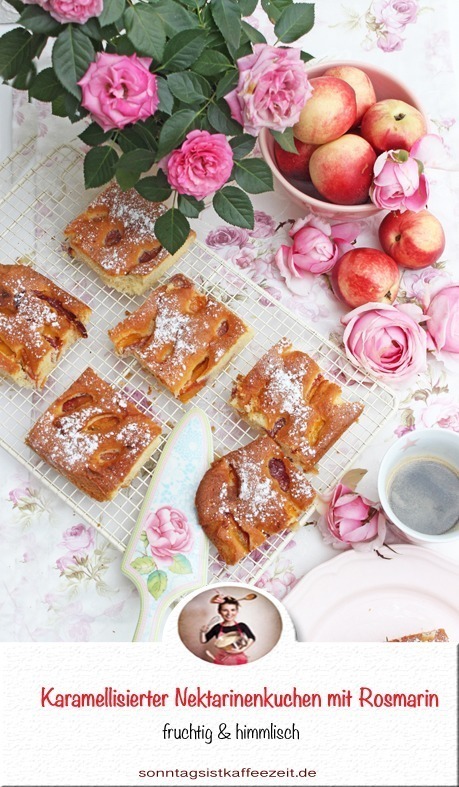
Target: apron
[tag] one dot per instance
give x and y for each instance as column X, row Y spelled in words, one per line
column 229, row 659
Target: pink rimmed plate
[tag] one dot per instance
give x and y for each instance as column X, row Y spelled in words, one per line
column 360, row 597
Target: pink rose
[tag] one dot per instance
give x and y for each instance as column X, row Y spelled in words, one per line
column 227, row 236
column 272, row 90
column 119, row 89
column 386, row 341
column 395, row 14
column 442, row 411
column 390, row 42
column 316, row 247
column 350, row 520
column 78, row 11
column 168, row 533
column 66, row 561
column 78, row 539
column 399, row 182
column 17, row 494
column 443, row 325
column 279, row 586
column 201, row 165
column 264, row 227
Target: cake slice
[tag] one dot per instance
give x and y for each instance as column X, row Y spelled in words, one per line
column 95, row 437
column 182, row 336
column 436, row 635
column 286, row 395
column 248, row 495
column 38, row 322
column 115, row 236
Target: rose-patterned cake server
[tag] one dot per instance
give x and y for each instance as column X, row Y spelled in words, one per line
column 167, row 554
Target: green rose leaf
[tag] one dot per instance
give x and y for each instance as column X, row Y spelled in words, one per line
column 294, row 22
column 188, row 87
column 14, row 51
column 242, row 145
column 145, row 30
column 306, row 57
column 285, row 139
column 144, row 565
column 172, row 230
column 211, row 62
column 129, row 139
column 154, row 188
column 24, row 77
column 18, row 5
column 99, row 166
column 227, row 83
column 227, row 17
column 144, row 538
column 93, row 134
column 175, row 130
column 190, row 206
column 157, row 583
column 174, row 17
column 248, row 6
column 45, row 86
column 253, row 34
column 92, row 29
column 180, row 565
column 219, row 116
column 67, row 105
column 254, row 175
column 37, row 44
column 235, row 207
column 112, row 11
column 130, row 166
column 183, row 49
column 166, row 99
column 37, row 20
column 274, row 8
column 72, row 54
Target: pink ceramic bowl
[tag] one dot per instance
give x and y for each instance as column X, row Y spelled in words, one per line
column 386, row 86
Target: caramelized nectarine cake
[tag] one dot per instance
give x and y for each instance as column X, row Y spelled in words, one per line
column 115, row 236
column 286, row 394
column 248, row 495
column 38, row 322
column 182, row 336
column 95, row 437
column 436, row 635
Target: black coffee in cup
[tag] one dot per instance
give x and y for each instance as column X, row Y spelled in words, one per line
column 423, row 492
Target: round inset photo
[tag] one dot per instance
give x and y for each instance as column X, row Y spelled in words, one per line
column 230, row 625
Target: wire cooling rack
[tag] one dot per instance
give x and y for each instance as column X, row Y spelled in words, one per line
column 32, row 218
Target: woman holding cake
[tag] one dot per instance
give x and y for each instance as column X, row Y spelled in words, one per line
column 232, row 638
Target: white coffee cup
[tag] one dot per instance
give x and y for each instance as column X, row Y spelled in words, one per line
column 440, row 444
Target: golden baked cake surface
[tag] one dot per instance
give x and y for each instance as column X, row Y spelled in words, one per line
column 248, row 495
column 286, row 394
column 38, row 322
column 94, row 436
column 115, row 235
column 436, row 635
column 181, row 335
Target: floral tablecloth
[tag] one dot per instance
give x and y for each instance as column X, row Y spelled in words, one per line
column 60, row 580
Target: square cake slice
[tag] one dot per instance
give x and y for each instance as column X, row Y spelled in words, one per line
column 286, row 394
column 115, row 236
column 95, row 437
column 182, row 336
column 38, row 322
column 248, row 495
column 436, row 635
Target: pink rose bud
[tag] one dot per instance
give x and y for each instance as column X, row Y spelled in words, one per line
column 272, row 89
column 386, row 341
column 78, row 11
column 169, row 533
column 316, row 247
column 399, row 182
column 351, row 520
column 201, row 165
column 118, row 90
column 443, row 325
